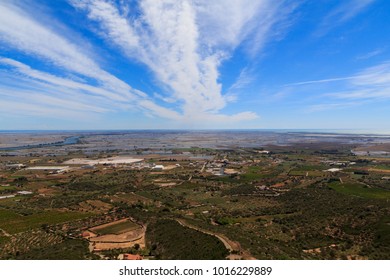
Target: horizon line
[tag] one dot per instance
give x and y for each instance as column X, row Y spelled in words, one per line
column 336, row 131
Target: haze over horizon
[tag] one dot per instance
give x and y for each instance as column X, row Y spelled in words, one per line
column 197, row 64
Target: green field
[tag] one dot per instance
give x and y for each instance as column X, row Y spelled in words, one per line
column 256, row 173
column 14, row 223
column 360, row 190
column 134, row 198
column 382, row 166
column 309, row 173
column 118, row 228
column 311, row 167
column 254, row 176
column 7, row 188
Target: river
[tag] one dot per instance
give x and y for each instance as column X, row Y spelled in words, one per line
column 67, row 141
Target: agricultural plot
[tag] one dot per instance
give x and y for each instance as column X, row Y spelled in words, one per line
column 360, row 190
column 120, row 234
column 96, row 206
column 69, row 249
column 14, row 223
column 383, row 167
column 132, row 198
column 116, row 228
column 385, row 171
column 256, row 173
column 3, row 188
column 306, row 173
column 26, row 241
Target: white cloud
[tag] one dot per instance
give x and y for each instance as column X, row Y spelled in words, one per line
column 25, row 33
column 48, row 98
column 10, row 108
column 221, row 118
column 228, row 23
column 184, row 42
column 349, row 9
column 377, row 75
column 343, row 12
column 369, row 85
column 331, row 106
column 244, row 79
column 160, row 111
column 43, row 89
column 119, row 28
column 60, row 82
column 370, row 54
column 321, row 81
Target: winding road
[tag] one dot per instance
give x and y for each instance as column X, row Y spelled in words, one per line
column 229, row 244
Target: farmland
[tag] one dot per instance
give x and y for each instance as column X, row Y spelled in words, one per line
column 302, row 199
column 14, row 223
column 360, row 190
column 117, row 228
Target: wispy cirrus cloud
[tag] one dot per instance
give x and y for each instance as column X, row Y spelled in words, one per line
column 21, row 86
column 51, row 79
column 378, row 75
column 349, row 9
column 374, row 77
column 368, row 85
column 244, row 79
column 321, row 81
column 343, row 12
column 370, row 54
column 331, row 106
column 185, row 42
column 372, row 83
column 25, row 33
column 27, row 109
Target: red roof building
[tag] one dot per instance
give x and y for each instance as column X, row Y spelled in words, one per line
column 131, row 257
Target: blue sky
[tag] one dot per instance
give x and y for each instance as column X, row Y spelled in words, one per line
column 265, row 64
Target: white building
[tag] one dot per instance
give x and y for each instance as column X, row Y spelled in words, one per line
column 158, row 167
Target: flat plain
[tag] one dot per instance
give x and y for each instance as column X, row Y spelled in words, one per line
column 194, row 195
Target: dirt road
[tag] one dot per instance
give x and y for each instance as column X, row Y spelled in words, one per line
column 229, row 244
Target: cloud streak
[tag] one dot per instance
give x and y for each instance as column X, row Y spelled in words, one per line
column 369, row 85
column 343, row 12
column 185, row 42
column 25, row 33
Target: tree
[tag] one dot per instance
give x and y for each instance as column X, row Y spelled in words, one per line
column 20, row 181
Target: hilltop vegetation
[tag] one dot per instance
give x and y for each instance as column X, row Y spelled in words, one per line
column 172, row 241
